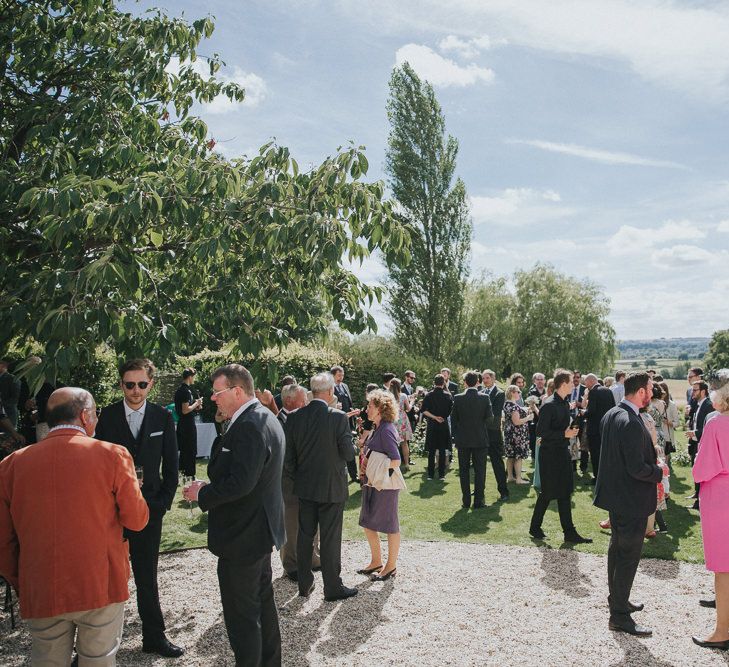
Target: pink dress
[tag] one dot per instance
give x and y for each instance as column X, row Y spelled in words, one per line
column 711, row 470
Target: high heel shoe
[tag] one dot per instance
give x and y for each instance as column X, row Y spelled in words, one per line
column 390, row 575
column 370, row 570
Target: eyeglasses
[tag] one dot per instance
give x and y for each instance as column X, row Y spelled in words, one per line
column 131, row 385
column 222, row 391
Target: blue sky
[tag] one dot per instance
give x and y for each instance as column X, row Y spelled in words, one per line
column 593, row 135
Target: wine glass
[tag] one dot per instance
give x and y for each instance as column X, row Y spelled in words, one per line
column 139, row 470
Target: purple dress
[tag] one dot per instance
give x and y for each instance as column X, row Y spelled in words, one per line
column 379, row 508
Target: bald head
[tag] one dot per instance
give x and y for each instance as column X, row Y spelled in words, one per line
column 72, row 406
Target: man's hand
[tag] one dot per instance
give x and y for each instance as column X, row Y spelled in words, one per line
column 191, row 491
column 571, row 432
column 354, row 413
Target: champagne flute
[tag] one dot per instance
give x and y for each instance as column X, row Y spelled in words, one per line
column 139, row 470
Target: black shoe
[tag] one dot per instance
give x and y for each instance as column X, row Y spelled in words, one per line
column 695, row 506
column 722, row 646
column 635, row 606
column 293, row 576
column 711, row 604
column 637, row 630
column 316, row 569
column 576, row 538
column 464, row 506
column 537, row 533
column 384, row 577
column 479, row 506
column 370, row 570
column 306, row 594
column 503, row 497
column 163, row 647
column 342, row 594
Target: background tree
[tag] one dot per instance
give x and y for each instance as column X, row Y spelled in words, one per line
column 560, row 321
column 718, row 354
column 426, row 296
column 488, row 336
column 119, row 223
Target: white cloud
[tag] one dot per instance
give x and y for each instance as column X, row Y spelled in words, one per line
column 683, row 46
column 254, row 85
column 682, row 254
column 723, row 226
column 596, row 154
column 440, row 71
column 637, row 240
column 465, row 48
column 519, row 206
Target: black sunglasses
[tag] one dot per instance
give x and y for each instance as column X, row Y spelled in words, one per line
column 131, row 385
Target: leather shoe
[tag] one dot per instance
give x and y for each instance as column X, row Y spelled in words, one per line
column 722, row 646
column 576, row 538
column 306, row 594
column 316, row 568
column 384, row 577
column 637, row 630
column 711, row 604
column 342, row 594
column 465, row 507
column 503, row 497
column 635, row 606
column 479, row 506
column 293, row 576
column 163, row 647
column 537, row 533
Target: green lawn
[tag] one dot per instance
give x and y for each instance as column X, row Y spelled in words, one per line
column 432, row 511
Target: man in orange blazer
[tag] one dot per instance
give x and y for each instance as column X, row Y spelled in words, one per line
column 63, row 505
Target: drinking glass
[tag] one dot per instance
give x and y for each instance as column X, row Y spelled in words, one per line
column 139, row 470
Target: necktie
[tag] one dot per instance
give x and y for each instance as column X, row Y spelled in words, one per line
column 135, row 422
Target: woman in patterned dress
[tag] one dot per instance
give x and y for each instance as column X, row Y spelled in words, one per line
column 516, row 434
column 404, row 429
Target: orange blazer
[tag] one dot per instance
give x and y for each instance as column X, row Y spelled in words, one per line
column 63, row 504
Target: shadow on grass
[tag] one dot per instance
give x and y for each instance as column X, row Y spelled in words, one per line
column 472, row 522
column 429, row 488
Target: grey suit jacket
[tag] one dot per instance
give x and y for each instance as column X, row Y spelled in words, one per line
column 318, row 445
column 471, row 416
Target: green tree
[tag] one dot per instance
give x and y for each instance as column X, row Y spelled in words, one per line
column 119, row 223
column 560, row 321
column 487, row 332
column 718, row 354
column 427, row 296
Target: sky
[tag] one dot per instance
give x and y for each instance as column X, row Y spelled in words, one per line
column 593, row 134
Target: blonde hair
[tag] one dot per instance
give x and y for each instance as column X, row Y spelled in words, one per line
column 385, row 402
column 512, row 389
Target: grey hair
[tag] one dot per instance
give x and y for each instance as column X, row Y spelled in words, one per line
column 70, row 411
column 288, row 393
column 538, row 375
column 322, row 383
column 490, row 373
column 591, row 376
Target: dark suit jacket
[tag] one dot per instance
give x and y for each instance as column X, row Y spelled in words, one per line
column 471, row 416
column 155, row 448
column 452, row 387
column 344, row 396
column 498, row 398
column 318, row 445
column 244, row 495
column 599, row 401
column 628, row 474
column 700, row 419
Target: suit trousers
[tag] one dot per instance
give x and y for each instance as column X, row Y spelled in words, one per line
column 249, row 611
column 144, row 554
column 564, row 507
column 98, row 633
column 626, row 546
column 441, row 462
column 328, row 518
column 187, row 444
column 291, row 517
column 593, row 442
column 478, row 455
column 496, row 455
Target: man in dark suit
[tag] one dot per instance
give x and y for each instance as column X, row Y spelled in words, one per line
column 147, row 430
column 626, row 488
column 246, row 515
column 495, row 435
column 318, row 445
column 599, row 400
column 577, row 399
column 471, row 416
column 697, row 418
column 436, row 408
column 344, row 397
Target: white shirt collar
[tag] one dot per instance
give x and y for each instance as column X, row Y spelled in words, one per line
column 128, row 410
column 66, row 426
column 242, row 409
column 698, row 405
column 632, row 406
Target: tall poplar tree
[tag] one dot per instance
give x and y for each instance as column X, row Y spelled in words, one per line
column 426, row 296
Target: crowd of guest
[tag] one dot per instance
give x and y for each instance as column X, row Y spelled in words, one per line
column 279, row 475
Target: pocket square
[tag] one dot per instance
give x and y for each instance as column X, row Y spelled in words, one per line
column 151, row 435
column 224, row 450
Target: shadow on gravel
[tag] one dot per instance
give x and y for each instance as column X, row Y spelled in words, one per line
column 333, row 629
column 636, row 652
column 660, row 569
column 561, row 569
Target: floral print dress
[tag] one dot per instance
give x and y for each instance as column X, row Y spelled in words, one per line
column 516, row 438
column 404, row 430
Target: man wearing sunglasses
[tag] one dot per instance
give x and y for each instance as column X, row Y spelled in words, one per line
column 147, row 430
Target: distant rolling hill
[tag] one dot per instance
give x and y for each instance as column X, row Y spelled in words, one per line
column 664, row 348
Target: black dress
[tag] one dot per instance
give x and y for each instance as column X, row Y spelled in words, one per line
column 186, row 430
column 555, row 463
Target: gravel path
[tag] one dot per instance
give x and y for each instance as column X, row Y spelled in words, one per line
column 451, row 604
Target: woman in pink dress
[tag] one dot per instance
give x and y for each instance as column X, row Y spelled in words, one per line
column 711, row 470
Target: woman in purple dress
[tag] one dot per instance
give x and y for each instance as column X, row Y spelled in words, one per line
column 379, row 508
column 711, row 470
